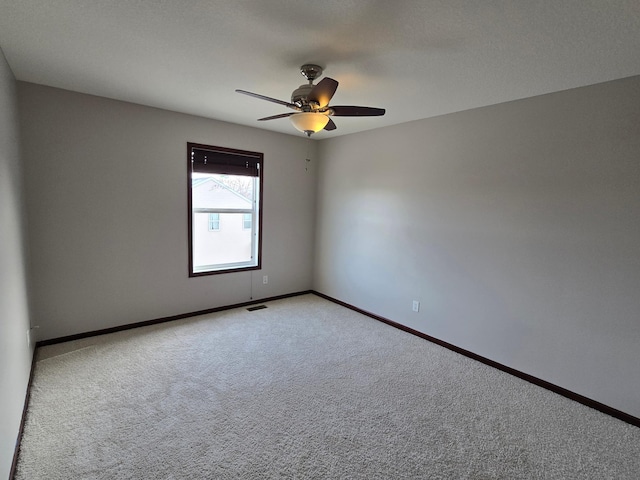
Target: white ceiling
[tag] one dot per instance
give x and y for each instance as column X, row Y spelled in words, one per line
column 416, row 58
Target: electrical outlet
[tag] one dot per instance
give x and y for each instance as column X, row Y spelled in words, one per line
column 265, row 279
column 416, row 306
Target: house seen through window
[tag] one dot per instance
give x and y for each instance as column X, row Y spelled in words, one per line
column 225, row 213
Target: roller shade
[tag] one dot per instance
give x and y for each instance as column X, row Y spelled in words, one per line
column 225, row 161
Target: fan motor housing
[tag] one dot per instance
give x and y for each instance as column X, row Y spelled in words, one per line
column 301, row 93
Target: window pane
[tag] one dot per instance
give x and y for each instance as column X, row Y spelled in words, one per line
column 214, row 221
column 231, row 244
column 222, row 191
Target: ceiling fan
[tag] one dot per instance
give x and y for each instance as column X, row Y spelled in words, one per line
column 311, row 104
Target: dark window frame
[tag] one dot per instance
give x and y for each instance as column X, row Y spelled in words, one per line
column 234, row 156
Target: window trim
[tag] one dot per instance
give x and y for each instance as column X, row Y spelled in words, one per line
column 229, row 268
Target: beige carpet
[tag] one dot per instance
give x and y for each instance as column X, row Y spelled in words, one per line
column 303, row 389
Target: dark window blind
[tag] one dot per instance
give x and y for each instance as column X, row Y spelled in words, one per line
column 224, row 161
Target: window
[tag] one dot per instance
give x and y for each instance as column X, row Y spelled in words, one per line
column 214, row 222
column 246, row 221
column 225, row 189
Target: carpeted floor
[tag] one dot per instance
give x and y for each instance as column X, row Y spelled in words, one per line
column 303, row 389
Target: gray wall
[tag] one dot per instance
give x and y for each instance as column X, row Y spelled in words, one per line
column 517, row 227
column 106, row 186
column 15, row 355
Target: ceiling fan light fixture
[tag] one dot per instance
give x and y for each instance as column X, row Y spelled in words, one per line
column 309, row 122
column 311, row 102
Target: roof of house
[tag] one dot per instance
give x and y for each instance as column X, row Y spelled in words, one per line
column 207, row 192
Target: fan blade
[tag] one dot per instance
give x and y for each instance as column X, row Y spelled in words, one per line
column 353, row 111
column 323, row 91
column 269, row 99
column 330, row 126
column 273, row 117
